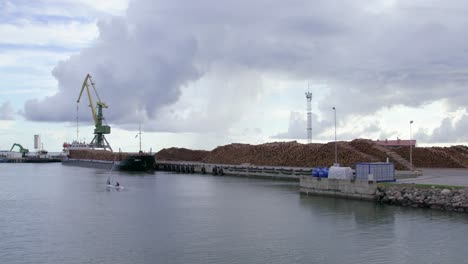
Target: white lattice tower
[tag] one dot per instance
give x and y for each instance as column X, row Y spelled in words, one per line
column 309, row 117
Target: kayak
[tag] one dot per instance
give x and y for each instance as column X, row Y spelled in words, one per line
column 115, row 187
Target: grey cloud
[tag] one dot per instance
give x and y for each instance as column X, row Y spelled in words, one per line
column 358, row 133
column 297, row 128
column 387, row 134
column 135, row 78
column 6, row 111
column 410, row 54
column 449, row 131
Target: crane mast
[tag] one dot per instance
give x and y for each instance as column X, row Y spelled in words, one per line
column 99, row 140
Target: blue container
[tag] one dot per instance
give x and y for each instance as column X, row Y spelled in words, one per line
column 324, row 173
column 321, row 174
column 315, row 172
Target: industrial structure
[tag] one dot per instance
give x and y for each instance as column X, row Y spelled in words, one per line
column 99, row 140
column 22, row 150
column 309, row 117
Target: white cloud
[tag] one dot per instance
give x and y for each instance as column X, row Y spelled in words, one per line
column 71, row 35
column 6, row 111
column 370, row 57
column 18, row 10
column 452, row 130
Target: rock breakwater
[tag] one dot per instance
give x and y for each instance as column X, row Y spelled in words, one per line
column 448, row 199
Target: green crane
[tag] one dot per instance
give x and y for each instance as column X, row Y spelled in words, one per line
column 99, row 140
column 22, row 150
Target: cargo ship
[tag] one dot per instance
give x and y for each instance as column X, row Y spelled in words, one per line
column 138, row 162
column 86, row 155
column 98, row 153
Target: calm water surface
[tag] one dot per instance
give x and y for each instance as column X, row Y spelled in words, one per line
column 50, row 213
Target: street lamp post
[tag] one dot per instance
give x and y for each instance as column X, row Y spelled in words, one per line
column 411, row 147
column 336, row 147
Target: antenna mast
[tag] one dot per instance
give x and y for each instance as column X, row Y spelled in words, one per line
column 309, row 116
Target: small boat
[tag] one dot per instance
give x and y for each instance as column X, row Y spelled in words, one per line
column 120, row 187
column 116, row 186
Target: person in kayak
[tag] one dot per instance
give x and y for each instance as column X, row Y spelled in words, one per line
column 117, row 184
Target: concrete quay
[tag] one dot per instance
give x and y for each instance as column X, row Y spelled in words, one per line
column 247, row 170
column 345, row 188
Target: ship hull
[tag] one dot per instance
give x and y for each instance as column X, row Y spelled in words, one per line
column 140, row 162
column 98, row 164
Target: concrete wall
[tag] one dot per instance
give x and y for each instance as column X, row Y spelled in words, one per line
column 269, row 172
column 355, row 189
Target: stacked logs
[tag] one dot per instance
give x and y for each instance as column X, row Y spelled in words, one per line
column 171, row 154
column 295, row 154
column 96, row 155
column 286, row 154
column 367, row 146
column 431, row 157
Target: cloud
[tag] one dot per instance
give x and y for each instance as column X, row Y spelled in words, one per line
column 46, row 11
column 449, row 131
column 297, row 128
column 369, row 55
column 363, row 131
column 6, row 111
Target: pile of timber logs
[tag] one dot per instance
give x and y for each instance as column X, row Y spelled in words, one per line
column 97, row 155
column 181, row 154
column 311, row 155
column 432, row 157
column 367, row 146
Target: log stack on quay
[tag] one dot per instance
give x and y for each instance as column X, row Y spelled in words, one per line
column 313, row 155
column 437, row 157
column 448, row 199
column 85, row 154
column 182, row 154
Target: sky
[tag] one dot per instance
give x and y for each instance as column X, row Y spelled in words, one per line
column 200, row 74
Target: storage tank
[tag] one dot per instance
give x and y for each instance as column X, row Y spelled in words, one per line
column 315, row 172
column 340, row 173
column 37, row 141
column 323, row 173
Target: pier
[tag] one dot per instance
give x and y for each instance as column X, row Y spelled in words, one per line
column 245, row 170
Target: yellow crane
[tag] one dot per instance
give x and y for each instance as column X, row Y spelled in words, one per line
column 99, row 140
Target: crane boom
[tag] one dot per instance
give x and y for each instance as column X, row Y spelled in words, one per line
column 91, row 103
column 100, row 129
column 22, row 150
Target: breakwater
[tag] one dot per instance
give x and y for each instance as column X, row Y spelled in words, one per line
column 448, row 199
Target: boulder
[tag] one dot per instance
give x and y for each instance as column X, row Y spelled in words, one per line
column 445, row 192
